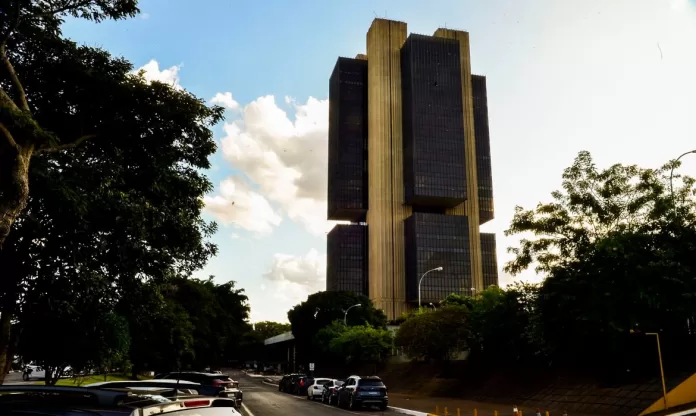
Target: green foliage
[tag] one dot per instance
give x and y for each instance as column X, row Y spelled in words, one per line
column 434, row 334
column 618, row 251
column 324, row 308
column 268, row 329
column 501, row 322
column 362, row 344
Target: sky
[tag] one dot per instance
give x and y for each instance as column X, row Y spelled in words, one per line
column 616, row 78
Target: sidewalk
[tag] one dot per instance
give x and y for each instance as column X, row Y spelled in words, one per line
column 466, row 407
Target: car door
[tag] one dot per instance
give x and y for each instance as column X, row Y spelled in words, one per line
column 345, row 390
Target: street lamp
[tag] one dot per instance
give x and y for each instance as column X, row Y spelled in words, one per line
column 345, row 315
column 659, row 358
column 662, row 369
column 433, row 305
column 439, row 269
column 671, row 174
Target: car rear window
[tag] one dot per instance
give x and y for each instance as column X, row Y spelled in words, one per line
column 371, row 383
column 220, row 377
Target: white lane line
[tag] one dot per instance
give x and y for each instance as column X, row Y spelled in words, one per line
column 246, row 409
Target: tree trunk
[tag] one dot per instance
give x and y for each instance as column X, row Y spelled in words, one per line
column 5, row 353
column 14, row 184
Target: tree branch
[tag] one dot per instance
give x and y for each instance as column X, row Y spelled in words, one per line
column 58, row 148
column 66, row 8
column 21, row 95
column 8, row 136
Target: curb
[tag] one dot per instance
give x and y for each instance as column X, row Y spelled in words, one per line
column 409, row 411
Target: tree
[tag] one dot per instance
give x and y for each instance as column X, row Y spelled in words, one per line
column 80, row 313
column 127, row 204
column 267, row 329
column 362, row 344
column 156, row 321
column 502, row 325
column 434, row 335
column 593, row 204
column 219, row 316
column 321, row 310
column 22, row 132
column 617, row 250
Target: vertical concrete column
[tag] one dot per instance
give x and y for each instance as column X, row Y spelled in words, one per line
column 386, row 263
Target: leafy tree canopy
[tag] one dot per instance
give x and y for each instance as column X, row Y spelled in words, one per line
column 434, row 334
column 23, row 133
column 322, row 309
column 362, row 344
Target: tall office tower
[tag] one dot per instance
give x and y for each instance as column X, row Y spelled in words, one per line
column 408, row 133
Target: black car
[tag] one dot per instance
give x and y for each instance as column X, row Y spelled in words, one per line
column 363, row 391
column 330, row 393
column 289, row 383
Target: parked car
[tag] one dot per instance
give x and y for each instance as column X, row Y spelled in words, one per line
column 329, row 392
column 288, row 382
column 300, row 385
column 315, row 387
column 36, row 371
column 230, row 387
column 108, row 400
column 357, row 392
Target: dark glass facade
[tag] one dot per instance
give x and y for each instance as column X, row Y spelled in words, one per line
column 435, row 240
column 347, row 179
column 489, row 260
column 433, row 122
column 346, row 259
column 483, row 149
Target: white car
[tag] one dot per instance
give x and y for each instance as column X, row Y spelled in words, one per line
column 316, row 389
column 36, row 371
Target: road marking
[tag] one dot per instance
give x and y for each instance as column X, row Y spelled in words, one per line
column 246, row 409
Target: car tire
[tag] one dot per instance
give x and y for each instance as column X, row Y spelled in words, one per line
column 383, row 407
column 25, row 377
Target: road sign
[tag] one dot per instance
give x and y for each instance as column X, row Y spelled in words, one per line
column 311, row 366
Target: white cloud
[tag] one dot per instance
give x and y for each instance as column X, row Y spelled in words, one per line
column 168, row 76
column 293, row 278
column 225, row 99
column 286, row 158
column 144, row 16
column 239, row 205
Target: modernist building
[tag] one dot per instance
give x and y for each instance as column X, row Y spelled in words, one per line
column 410, row 168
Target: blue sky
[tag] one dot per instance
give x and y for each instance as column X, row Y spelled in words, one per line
column 615, row 78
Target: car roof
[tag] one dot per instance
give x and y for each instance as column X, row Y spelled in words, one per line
column 162, row 380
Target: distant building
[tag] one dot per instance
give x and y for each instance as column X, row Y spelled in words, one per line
column 410, row 168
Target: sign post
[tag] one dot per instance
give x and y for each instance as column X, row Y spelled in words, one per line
column 311, row 369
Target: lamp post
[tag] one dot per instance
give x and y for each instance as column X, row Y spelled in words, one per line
column 433, row 305
column 439, row 269
column 659, row 358
column 345, row 315
column 662, row 370
column 671, row 175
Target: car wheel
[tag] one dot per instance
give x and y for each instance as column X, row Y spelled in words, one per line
column 383, row 407
column 25, row 377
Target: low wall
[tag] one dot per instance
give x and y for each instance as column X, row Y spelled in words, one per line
column 577, row 392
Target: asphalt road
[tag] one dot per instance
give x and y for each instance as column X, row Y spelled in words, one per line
column 261, row 399
column 16, row 378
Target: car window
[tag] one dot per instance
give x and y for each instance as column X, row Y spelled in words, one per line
column 371, row 383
